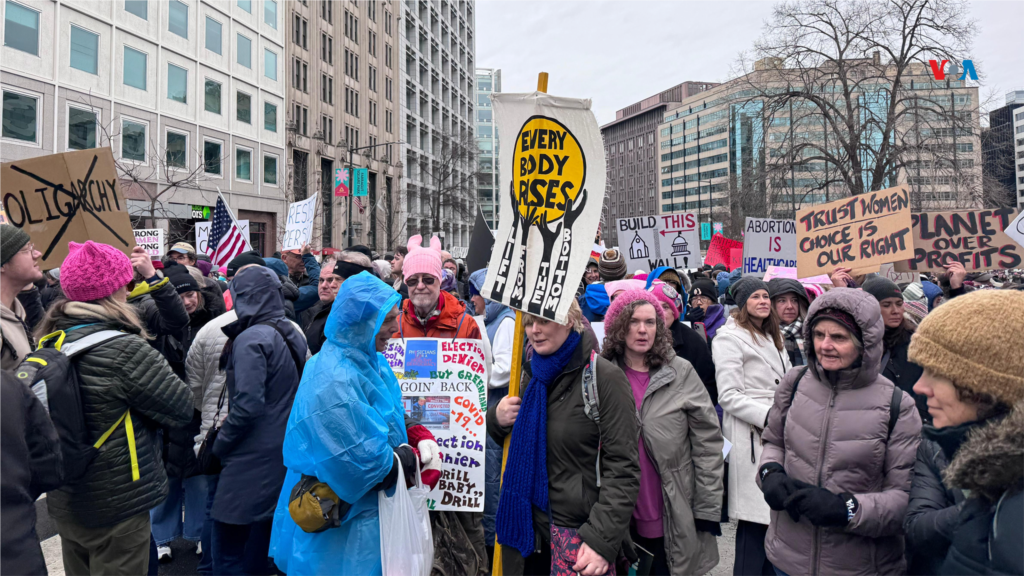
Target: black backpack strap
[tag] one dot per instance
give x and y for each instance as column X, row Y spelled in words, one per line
column 299, row 362
column 795, row 384
column 894, row 407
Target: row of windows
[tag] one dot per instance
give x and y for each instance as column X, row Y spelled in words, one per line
column 681, row 180
column 705, row 133
column 695, row 205
column 695, row 191
column 696, row 163
column 693, row 150
column 178, row 12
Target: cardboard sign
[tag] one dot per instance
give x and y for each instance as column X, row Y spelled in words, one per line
column 974, row 238
column 784, row 272
column 889, row 271
column 64, row 197
column 665, row 240
column 552, row 190
column 299, row 228
column 766, row 243
column 152, row 239
column 341, row 182
column 1016, row 230
column 362, row 183
column 444, row 389
column 720, row 251
column 860, row 233
column 203, row 234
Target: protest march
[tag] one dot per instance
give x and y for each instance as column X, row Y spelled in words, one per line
column 836, row 389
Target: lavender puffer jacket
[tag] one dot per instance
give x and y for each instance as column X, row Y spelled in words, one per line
column 835, row 434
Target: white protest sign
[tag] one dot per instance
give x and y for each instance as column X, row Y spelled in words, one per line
column 443, row 389
column 786, row 272
column 552, row 183
column 299, row 228
column 768, row 242
column 1016, row 229
column 203, row 235
column 152, row 239
column 649, row 242
column 889, row 271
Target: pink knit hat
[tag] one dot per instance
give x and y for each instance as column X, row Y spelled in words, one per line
column 630, row 296
column 93, row 271
column 661, row 291
column 422, row 260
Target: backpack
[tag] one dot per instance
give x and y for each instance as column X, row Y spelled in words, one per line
column 592, row 403
column 894, row 402
column 52, row 375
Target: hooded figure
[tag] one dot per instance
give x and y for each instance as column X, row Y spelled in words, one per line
column 346, row 422
column 290, row 291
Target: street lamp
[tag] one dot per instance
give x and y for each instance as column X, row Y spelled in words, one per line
column 351, row 177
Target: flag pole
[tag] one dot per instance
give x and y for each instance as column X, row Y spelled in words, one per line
column 234, row 220
column 516, row 373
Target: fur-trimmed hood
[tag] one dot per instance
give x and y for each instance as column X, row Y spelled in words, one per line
column 992, row 459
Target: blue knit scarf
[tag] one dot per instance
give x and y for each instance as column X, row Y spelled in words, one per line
column 525, row 483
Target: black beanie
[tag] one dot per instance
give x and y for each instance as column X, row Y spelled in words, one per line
column 244, row 259
column 881, row 288
column 704, row 287
column 12, row 239
column 743, row 289
column 780, row 286
column 183, row 282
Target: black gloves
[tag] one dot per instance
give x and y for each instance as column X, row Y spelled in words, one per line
column 407, row 457
column 778, row 486
column 709, row 526
column 822, row 507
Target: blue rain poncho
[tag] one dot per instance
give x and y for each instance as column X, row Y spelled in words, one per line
column 345, row 423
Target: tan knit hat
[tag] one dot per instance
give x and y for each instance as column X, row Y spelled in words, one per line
column 977, row 341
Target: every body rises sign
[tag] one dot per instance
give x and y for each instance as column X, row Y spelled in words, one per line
column 861, row 233
column 443, row 389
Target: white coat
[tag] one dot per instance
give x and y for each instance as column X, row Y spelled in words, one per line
column 748, row 371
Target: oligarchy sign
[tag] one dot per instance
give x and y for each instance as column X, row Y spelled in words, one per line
column 550, row 204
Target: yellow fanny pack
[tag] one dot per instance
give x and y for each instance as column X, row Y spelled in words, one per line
column 314, row 507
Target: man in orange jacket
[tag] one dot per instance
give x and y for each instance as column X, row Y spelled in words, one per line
column 429, row 312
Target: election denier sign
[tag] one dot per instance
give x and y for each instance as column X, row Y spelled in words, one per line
column 444, row 389
column 766, row 243
column 975, row 238
column 664, row 240
column 551, row 193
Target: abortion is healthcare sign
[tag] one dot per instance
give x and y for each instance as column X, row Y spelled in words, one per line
column 444, row 389
column 767, row 243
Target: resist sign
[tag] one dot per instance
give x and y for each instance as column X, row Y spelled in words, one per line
column 768, row 243
column 299, row 229
column 975, row 238
column 860, row 233
column 444, row 389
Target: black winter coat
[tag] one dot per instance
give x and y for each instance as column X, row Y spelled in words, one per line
column 165, row 318
column 315, row 330
column 261, row 379
column 904, row 373
column 691, row 347
column 49, row 294
column 122, row 374
column 30, row 464
column 32, row 302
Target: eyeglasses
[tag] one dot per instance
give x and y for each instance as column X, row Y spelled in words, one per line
column 30, row 247
column 426, row 280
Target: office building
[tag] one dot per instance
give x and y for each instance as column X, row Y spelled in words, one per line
column 488, row 81
column 189, row 94
column 631, row 156
column 1016, row 100
column 437, row 58
column 342, row 107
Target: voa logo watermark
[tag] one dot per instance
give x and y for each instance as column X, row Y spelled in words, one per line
column 939, row 70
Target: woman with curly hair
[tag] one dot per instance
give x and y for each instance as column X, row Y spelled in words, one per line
column 678, row 509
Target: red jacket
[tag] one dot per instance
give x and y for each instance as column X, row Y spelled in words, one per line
column 452, row 322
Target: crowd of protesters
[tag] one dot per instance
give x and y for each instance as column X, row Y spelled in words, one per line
column 857, row 427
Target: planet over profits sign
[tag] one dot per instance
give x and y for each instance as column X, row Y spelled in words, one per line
column 862, row 233
column 975, row 238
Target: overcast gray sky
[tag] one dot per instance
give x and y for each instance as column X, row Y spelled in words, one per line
column 621, row 52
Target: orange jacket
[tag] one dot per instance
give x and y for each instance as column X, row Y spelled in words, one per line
column 453, row 322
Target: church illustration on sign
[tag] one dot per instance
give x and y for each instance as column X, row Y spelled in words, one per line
column 679, row 246
column 638, row 248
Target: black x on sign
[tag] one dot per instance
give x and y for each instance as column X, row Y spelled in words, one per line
column 64, row 197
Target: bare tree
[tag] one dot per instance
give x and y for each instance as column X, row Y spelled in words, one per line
column 451, row 175
column 388, row 212
column 849, row 104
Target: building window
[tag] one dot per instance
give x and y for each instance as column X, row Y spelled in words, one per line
column 134, row 68
column 244, row 108
column 177, row 18
column 270, row 13
column 351, row 65
column 300, row 75
column 373, row 113
column 372, row 39
column 371, row 76
column 387, row 55
column 244, row 51
column 326, row 89
column 213, row 30
column 177, row 83
column 138, row 7
column 212, row 96
column 243, row 164
column 245, row 5
column 21, row 28
column 211, row 157
column 270, row 64
column 81, row 129
column 299, row 29
column 301, row 120
column 270, row 170
column 177, row 150
column 269, row 117
column 387, row 23
column 327, row 128
column 351, row 27
column 326, row 48
column 327, row 10
column 84, row 49
column 133, row 141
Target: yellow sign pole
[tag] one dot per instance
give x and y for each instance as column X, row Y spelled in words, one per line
column 517, row 369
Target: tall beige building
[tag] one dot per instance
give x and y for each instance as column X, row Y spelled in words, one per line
column 342, row 66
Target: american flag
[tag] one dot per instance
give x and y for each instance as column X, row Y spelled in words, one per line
column 226, row 240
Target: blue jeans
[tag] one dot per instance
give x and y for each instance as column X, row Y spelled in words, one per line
column 206, row 560
column 167, row 518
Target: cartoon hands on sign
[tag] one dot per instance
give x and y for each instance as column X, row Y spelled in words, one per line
column 571, row 212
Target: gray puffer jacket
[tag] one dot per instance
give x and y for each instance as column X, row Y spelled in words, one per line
column 124, row 373
column 833, row 432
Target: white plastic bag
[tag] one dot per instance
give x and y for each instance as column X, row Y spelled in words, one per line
column 406, row 541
